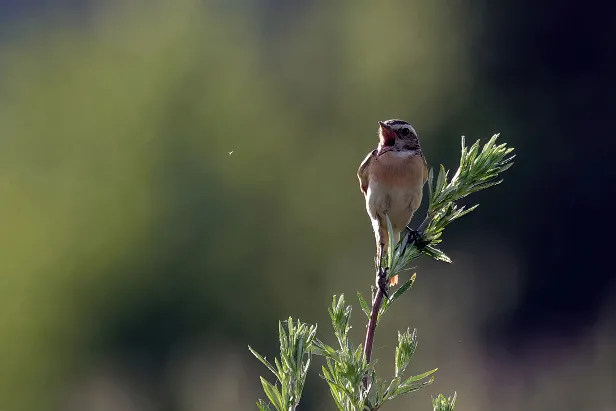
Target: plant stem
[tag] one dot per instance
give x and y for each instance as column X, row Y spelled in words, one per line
column 377, row 302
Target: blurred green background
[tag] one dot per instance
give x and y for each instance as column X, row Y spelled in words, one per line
column 139, row 256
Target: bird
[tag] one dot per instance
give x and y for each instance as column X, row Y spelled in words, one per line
column 391, row 178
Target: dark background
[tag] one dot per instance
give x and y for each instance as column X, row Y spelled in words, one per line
column 138, row 258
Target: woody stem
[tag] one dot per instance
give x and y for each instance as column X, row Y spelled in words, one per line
column 377, row 302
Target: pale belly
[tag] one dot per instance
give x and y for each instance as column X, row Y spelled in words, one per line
column 397, row 202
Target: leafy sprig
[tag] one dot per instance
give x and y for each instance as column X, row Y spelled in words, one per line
column 441, row 403
column 480, row 168
column 346, row 367
column 291, row 369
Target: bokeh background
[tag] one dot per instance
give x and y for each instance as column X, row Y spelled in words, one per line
column 138, row 258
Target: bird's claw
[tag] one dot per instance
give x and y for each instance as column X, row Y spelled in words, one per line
column 381, row 273
column 382, row 281
column 414, row 236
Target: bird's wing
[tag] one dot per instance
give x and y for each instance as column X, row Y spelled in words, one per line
column 426, row 172
column 362, row 172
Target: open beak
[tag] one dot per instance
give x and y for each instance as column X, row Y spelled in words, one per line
column 383, row 125
column 386, row 135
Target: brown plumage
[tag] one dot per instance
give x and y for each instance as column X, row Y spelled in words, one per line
column 391, row 178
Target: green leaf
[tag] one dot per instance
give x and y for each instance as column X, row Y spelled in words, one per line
column 263, row 360
column 282, row 337
column 278, row 368
column 381, row 387
column 398, row 253
column 397, row 294
column 337, row 401
column 390, row 249
column 391, row 389
column 364, row 305
column 263, row 406
column 462, row 212
column 440, row 179
column 441, row 403
column 411, row 380
column 436, row 254
column 320, row 348
column 299, row 353
column 407, row 389
column 472, row 153
column 407, row 343
column 328, row 377
column 272, row 394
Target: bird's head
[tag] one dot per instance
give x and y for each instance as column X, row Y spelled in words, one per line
column 397, row 135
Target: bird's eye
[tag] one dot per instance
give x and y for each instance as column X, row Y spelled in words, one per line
column 405, row 132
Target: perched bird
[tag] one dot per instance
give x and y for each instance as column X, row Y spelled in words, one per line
column 392, row 178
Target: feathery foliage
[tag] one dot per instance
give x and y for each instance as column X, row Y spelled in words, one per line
column 291, row 369
column 479, row 169
column 441, row 403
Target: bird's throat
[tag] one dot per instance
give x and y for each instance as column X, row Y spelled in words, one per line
column 384, row 149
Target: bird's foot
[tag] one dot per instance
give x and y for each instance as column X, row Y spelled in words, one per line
column 382, row 282
column 381, row 273
column 414, row 236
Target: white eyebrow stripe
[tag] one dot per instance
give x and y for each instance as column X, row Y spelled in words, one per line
column 401, row 126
